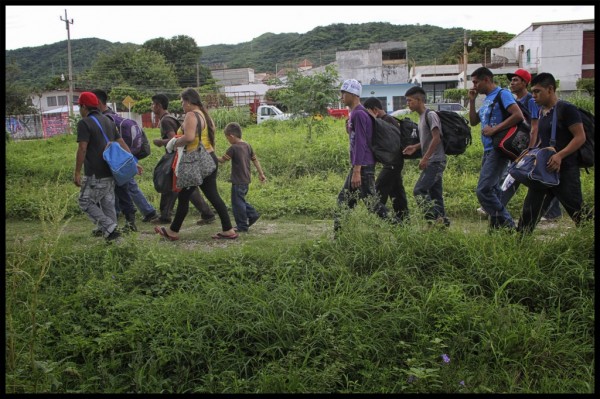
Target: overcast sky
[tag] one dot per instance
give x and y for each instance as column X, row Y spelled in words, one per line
column 32, row 26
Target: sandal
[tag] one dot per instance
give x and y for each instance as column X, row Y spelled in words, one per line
column 221, row 236
column 163, row 232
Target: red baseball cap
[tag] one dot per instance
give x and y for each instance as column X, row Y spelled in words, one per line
column 523, row 74
column 88, row 99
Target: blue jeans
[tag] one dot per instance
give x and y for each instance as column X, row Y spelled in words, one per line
column 429, row 191
column 97, row 201
column 349, row 196
column 243, row 212
column 488, row 189
column 123, row 201
column 138, row 198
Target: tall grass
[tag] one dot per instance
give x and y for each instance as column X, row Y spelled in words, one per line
column 380, row 309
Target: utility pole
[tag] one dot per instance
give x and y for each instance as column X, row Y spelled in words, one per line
column 70, row 98
column 466, row 56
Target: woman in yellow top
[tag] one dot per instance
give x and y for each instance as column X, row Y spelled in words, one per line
column 190, row 100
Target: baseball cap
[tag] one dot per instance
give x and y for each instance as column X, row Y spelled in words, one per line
column 88, row 99
column 352, row 86
column 523, row 74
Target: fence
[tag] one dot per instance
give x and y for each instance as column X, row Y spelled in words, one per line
column 34, row 126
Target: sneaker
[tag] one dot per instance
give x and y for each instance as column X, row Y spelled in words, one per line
column 203, row 222
column 482, row 211
column 252, row 221
column 161, row 220
column 152, row 216
column 129, row 227
column 113, row 236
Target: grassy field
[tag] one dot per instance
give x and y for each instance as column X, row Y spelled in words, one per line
column 286, row 308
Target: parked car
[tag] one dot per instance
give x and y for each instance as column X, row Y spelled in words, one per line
column 456, row 107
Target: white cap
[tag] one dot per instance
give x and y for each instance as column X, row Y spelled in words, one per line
column 352, row 86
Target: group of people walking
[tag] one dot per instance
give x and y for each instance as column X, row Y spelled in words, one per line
column 98, row 189
column 100, row 199
column 428, row 191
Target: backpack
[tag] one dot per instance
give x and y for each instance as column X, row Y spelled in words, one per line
column 386, row 142
column 122, row 164
column 409, row 131
column 456, row 132
column 585, row 153
column 511, row 142
column 133, row 135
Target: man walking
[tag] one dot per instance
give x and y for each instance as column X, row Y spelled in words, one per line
column 493, row 163
column 389, row 183
column 96, row 197
column 360, row 182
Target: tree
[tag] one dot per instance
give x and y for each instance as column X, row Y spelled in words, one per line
column 17, row 100
column 310, row 94
column 183, row 53
column 145, row 71
column 586, row 84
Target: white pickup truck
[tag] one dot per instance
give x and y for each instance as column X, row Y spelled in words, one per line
column 265, row 112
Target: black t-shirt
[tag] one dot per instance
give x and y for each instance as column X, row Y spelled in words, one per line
column 567, row 116
column 88, row 131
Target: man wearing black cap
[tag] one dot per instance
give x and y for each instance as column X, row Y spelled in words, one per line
column 96, row 198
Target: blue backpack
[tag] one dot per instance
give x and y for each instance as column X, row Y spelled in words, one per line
column 123, row 164
column 133, row 135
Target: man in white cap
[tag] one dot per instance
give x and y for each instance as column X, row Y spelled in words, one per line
column 360, row 182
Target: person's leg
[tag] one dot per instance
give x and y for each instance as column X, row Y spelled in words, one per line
column 346, row 200
column 368, row 193
column 532, row 210
column 383, row 183
column 209, row 188
column 421, row 192
column 206, row 213
column 97, row 201
column 238, row 206
column 167, row 202
column 553, row 211
column 488, row 189
column 140, row 201
column 436, row 191
column 398, row 194
column 183, row 205
column 570, row 195
column 126, row 206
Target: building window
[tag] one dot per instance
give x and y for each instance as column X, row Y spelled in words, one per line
column 51, row 101
column 398, row 102
column 62, row 100
column 528, row 54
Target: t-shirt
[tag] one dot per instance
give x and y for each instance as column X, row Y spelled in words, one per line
column 496, row 113
column 360, row 131
column 240, row 154
column 88, row 131
column 568, row 116
column 425, row 136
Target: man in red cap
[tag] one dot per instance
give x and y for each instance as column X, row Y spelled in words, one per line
column 518, row 86
column 96, row 198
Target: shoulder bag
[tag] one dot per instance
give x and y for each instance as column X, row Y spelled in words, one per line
column 530, row 167
column 123, row 164
column 194, row 165
column 513, row 141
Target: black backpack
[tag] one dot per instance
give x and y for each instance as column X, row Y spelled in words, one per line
column 585, row 153
column 386, row 142
column 456, row 132
column 409, row 131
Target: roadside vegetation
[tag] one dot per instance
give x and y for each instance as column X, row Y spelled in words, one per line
column 286, row 308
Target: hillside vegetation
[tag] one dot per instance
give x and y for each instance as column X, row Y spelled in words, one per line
column 426, row 44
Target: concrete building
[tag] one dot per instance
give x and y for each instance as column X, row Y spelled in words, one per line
column 382, row 63
column 566, row 49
